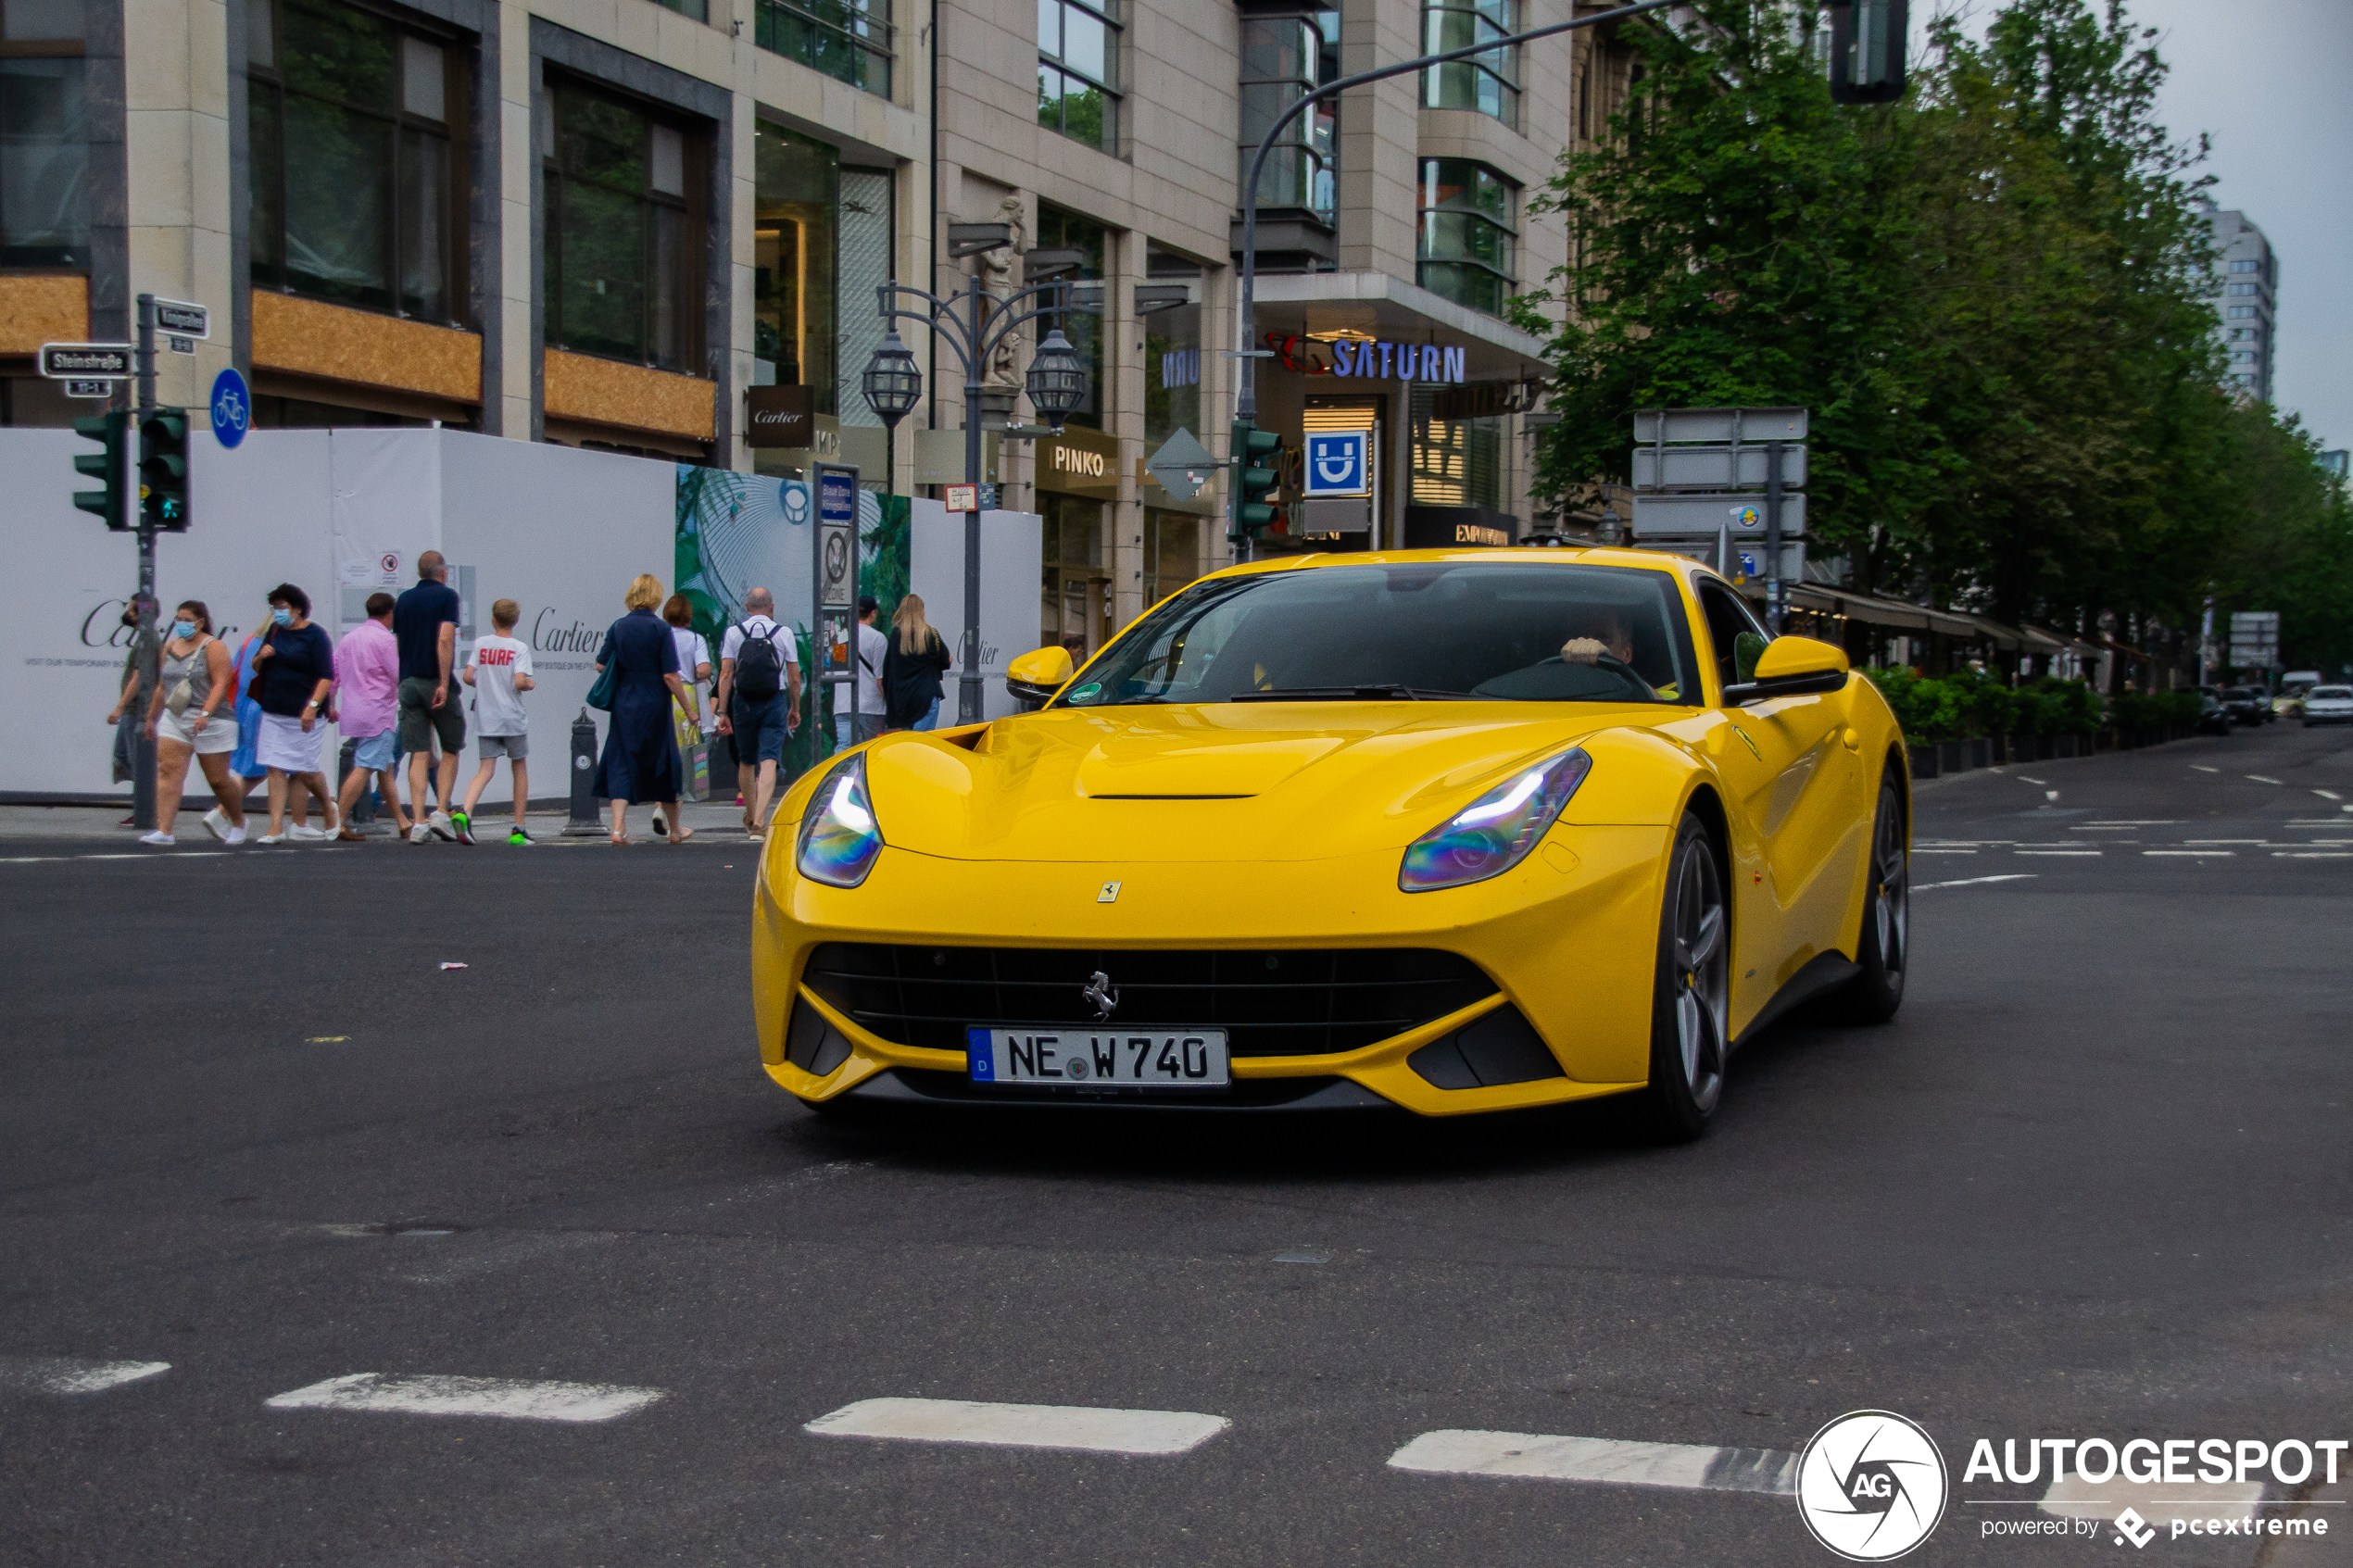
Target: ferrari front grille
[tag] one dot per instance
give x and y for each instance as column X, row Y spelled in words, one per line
column 1286, row 1001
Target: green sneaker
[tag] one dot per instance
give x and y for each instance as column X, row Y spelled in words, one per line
column 518, row 836
column 462, row 825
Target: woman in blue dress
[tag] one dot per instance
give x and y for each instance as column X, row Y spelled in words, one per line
column 641, row 765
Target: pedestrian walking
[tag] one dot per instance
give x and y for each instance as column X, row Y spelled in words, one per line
column 499, row 672
column 186, row 721
column 294, row 672
column 640, row 761
column 368, row 698
column 424, row 623
column 693, row 669
column 866, row 691
column 120, row 719
column 758, row 699
column 912, row 667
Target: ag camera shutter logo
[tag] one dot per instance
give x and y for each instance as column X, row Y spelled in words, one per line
column 1871, row 1486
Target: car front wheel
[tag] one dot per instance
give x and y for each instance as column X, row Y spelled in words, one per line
column 1883, row 948
column 1690, row 1006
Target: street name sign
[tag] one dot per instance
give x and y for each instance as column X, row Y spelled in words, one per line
column 63, row 361
column 182, row 320
column 89, row 388
column 1726, row 425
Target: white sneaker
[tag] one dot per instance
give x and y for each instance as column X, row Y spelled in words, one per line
column 271, row 838
column 234, row 835
column 417, row 833
column 160, row 838
column 442, row 829
column 305, row 831
column 216, row 822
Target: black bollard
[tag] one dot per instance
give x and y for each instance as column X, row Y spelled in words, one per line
column 587, row 820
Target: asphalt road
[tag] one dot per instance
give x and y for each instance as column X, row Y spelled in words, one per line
column 2093, row 1181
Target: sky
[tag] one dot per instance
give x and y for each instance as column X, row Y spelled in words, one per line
column 2271, row 81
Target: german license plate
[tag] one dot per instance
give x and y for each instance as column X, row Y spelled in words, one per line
column 1158, row 1059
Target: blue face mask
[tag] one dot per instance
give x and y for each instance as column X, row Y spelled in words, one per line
column 184, row 630
column 283, row 616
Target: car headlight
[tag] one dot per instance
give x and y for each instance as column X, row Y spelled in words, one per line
column 840, row 837
column 1494, row 832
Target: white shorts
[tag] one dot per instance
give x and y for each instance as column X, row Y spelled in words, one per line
column 283, row 746
column 218, row 735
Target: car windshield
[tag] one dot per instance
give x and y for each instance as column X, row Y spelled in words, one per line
column 1512, row 632
column 2331, row 693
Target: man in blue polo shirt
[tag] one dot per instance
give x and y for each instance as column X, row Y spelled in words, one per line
column 424, row 623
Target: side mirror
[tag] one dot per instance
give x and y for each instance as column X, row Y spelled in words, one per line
column 1867, row 50
column 1038, row 674
column 1791, row 667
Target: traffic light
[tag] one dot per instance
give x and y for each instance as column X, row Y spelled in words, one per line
column 163, row 471
column 1258, row 480
column 112, row 433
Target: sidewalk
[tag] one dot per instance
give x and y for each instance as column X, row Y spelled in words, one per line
column 720, row 819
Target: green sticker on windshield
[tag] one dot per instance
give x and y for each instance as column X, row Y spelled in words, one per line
column 1092, row 689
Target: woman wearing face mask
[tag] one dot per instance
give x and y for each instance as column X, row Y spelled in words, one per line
column 294, row 671
column 187, row 719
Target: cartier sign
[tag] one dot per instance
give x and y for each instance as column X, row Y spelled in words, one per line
column 778, row 416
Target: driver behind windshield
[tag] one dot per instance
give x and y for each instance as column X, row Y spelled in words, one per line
column 1603, row 634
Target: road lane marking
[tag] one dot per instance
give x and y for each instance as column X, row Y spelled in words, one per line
column 2194, row 854
column 1536, row 1455
column 2260, row 779
column 2312, row 854
column 2094, row 854
column 2226, row 841
column 2140, row 822
column 2203, row 768
column 2038, row 783
column 1943, row 852
column 2158, row 1502
column 2328, row 795
column 511, row 1398
column 1978, row 880
column 1088, row 1428
column 71, row 1375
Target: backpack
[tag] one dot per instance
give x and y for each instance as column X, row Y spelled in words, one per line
column 759, row 673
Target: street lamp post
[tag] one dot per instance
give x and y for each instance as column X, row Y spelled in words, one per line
column 1056, row 383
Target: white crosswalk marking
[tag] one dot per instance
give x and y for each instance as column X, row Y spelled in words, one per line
column 1975, row 881
column 1534, row 1454
column 70, row 1375
column 512, row 1399
column 1088, row 1427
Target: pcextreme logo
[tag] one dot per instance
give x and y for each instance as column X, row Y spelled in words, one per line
column 1871, row 1486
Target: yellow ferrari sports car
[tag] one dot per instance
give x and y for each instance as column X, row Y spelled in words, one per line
column 1449, row 831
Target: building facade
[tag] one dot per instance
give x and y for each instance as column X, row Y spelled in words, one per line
column 2250, row 276
column 660, row 228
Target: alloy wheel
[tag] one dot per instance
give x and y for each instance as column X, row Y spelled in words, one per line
column 1703, row 967
column 1891, row 902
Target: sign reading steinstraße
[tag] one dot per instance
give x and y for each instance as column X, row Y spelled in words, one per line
column 62, row 361
column 779, row 416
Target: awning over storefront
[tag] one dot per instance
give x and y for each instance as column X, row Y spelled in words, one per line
column 1374, row 307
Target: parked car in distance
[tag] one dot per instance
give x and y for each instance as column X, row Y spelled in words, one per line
column 2328, row 705
column 2247, row 705
column 2289, row 702
column 2212, row 718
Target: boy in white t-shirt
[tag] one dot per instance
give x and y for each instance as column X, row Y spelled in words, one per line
column 499, row 670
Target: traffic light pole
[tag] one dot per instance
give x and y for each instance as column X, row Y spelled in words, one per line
column 150, row 648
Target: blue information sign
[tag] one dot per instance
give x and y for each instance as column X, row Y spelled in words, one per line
column 232, row 408
column 1338, row 463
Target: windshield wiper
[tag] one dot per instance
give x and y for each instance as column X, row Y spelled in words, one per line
column 1382, row 693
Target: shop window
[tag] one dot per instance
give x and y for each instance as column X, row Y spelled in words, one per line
column 1488, row 82
column 1284, row 58
column 797, row 193
column 848, row 40
column 358, row 186
column 1173, row 360
column 1057, row 229
column 1456, row 462
column 866, row 251
column 1078, row 70
column 1469, row 239
column 624, row 229
column 1171, row 553
column 1075, row 599
column 45, row 145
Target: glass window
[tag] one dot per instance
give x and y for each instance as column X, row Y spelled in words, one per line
column 1284, row 58
column 1075, row 606
column 372, row 210
column 1456, row 462
column 2242, row 312
column 1171, row 553
column 1488, row 82
column 1735, row 639
column 796, row 189
column 1172, row 352
column 847, row 39
column 1444, row 629
column 1078, row 70
column 1084, row 328
column 1469, row 235
column 623, row 257
column 45, row 152
column 2245, row 264
column 2242, row 289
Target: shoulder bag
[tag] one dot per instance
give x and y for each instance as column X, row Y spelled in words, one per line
column 607, row 682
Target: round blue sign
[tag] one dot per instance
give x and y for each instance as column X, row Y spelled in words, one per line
column 232, row 408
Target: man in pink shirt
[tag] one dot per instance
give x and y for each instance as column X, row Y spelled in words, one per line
column 368, row 667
